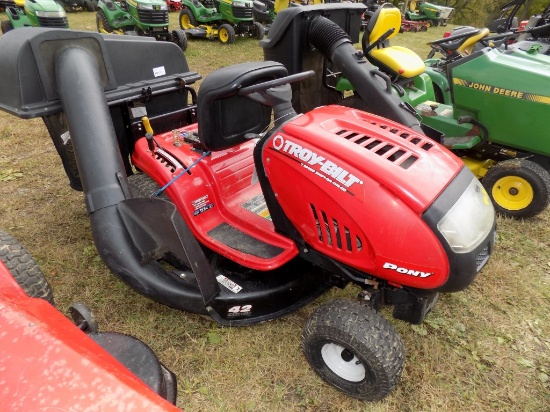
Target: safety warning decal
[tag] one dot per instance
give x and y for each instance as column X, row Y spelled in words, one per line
column 257, row 206
column 200, row 205
column 228, row 283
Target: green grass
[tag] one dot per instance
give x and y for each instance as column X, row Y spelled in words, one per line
column 484, row 349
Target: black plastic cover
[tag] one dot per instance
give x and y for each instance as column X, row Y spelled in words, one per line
column 128, row 66
column 287, row 41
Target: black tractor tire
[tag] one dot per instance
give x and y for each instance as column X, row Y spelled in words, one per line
column 354, row 348
column 226, row 34
column 187, row 19
column 518, row 188
column 141, row 185
column 180, row 38
column 89, row 5
column 24, row 269
column 259, row 31
column 102, row 23
column 6, row 26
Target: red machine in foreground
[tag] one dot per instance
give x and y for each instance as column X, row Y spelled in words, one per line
column 48, row 363
column 245, row 219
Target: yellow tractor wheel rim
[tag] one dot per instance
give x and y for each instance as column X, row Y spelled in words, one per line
column 223, row 35
column 513, row 193
column 184, row 21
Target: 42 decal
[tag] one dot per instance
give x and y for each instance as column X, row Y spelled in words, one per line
column 239, row 310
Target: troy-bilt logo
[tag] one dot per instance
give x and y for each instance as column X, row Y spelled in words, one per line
column 315, row 163
column 405, row 271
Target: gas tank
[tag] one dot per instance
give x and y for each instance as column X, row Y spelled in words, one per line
column 355, row 186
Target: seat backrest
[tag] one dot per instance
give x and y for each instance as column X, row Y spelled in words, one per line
column 225, row 117
column 387, row 17
column 466, row 47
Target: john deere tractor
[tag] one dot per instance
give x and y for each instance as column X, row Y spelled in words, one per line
column 222, row 19
column 138, row 18
column 34, row 13
column 423, row 11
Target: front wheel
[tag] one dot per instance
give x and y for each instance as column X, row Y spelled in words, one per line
column 89, row 5
column 102, row 23
column 354, row 349
column 180, row 38
column 518, row 188
column 226, row 34
column 24, row 269
column 259, row 30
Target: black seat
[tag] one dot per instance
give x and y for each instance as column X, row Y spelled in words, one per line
column 224, row 117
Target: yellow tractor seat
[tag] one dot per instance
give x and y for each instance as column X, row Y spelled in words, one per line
column 20, row 3
column 384, row 24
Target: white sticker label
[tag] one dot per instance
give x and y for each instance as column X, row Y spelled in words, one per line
column 228, row 283
column 65, row 137
column 159, row 71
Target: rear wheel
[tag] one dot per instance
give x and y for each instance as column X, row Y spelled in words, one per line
column 24, row 269
column 518, row 188
column 180, row 38
column 6, row 26
column 226, row 34
column 354, row 349
column 102, row 23
column 187, row 19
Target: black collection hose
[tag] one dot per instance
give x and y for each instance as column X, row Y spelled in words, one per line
column 335, row 44
column 104, row 181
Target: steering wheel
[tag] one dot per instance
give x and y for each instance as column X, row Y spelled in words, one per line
column 276, row 82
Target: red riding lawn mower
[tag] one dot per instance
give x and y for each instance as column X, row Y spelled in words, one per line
column 228, row 204
column 48, row 362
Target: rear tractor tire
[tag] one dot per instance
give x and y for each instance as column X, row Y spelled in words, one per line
column 24, row 269
column 226, row 34
column 518, row 188
column 354, row 348
column 187, row 19
column 102, row 23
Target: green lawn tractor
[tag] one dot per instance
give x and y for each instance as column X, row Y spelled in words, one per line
column 34, row 13
column 138, row 18
column 494, row 116
column 490, row 103
column 221, row 19
column 432, row 13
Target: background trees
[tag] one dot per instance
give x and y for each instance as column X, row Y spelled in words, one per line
column 480, row 12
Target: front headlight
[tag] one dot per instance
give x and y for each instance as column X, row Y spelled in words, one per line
column 152, row 6
column 469, row 220
column 58, row 13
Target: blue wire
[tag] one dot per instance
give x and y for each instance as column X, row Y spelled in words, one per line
column 162, row 189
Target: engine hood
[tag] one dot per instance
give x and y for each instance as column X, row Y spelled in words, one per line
column 408, row 164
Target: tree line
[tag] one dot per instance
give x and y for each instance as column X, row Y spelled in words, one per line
column 480, row 12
